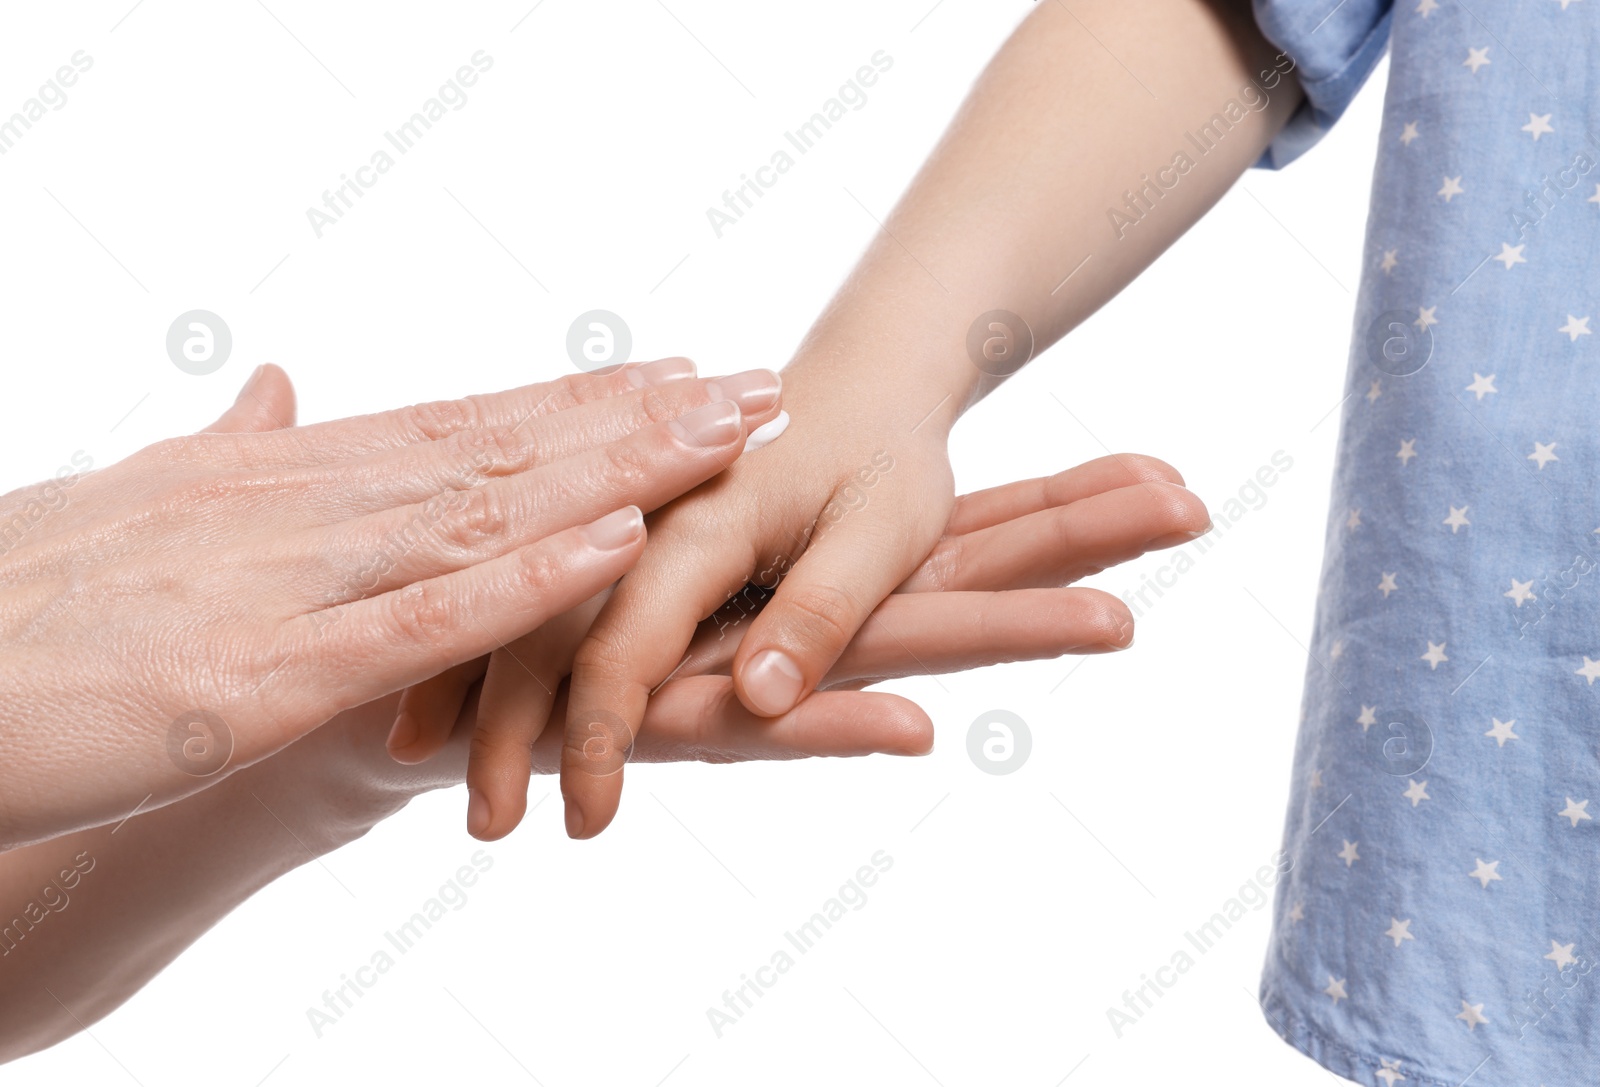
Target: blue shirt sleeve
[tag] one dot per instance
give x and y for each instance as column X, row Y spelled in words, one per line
column 1334, row 44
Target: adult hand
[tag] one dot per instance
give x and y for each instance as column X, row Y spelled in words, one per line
column 212, row 598
column 991, row 590
column 841, row 521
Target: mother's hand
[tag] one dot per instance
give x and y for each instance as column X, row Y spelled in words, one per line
column 212, row 598
column 997, row 587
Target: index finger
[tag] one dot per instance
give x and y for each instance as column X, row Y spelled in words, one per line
column 341, row 439
column 994, row 505
column 1061, row 544
column 700, row 719
column 637, row 642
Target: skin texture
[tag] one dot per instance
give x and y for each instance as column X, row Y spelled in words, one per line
column 200, row 605
column 142, row 890
column 991, row 590
column 1009, row 213
column 151, row 886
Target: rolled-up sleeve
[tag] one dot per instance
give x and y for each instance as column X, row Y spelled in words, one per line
column 1334, row 44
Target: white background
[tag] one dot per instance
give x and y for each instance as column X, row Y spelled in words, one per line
column 588, row 154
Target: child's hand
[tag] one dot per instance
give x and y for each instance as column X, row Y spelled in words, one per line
column 833, row 515
column 997, row 569
column 993, row 588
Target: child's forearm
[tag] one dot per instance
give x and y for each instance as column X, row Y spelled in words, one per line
column 1032, row 201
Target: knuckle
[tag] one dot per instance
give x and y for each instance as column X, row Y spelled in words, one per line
column 439, row 419
column 489, row 451
column 212, row 489
column 1063, row 529
column 564, row 393
column 945, row 562
column 423, row 610
column 498, row 748
column 479, row 517
column 627, row 463
column 184, row 449
column 655, row 408
column 822, row 613
column 598, row 744
column 538, row 568
column 598, row 657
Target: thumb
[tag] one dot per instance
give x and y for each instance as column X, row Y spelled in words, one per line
column 817, row 610
column 265, row 403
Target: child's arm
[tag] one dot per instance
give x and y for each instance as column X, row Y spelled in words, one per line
column 1079, row 111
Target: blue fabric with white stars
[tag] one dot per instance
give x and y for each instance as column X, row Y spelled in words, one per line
column 1439, row 921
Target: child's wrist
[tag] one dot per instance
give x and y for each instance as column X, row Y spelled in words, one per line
column 906, row 393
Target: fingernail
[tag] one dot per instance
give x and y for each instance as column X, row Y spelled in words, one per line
column 574, row 820
column 477, row 812
column 404, row 733
column 767, row 432
column 714, row 424
column 250, row 383
column 661, row 372
column 1178, row 538
column 754, row 390
column 772, row 680
column 615, row 530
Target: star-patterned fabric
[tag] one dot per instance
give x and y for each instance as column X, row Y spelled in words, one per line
column 1438, row 923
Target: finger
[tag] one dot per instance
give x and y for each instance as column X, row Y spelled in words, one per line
column 469, row 458
column 929, row 633
column 635, row 644
column 343, row 439
column 844, row 574
column 702, row 720
column 717, row 639
column 455, row 530
column 265, row 403
column 518, row 695
column 914, row 634
column 985, row 508
column 1061, row 544
column 349, row 655
column 512, row 713
column 427, row 712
